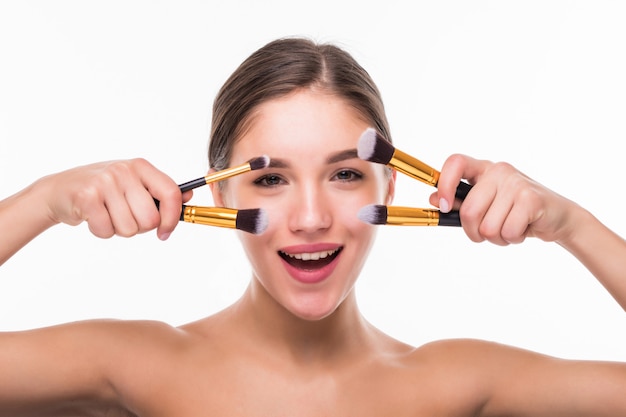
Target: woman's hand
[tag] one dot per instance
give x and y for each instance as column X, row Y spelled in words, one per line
column 504, row 205
column 115, row 198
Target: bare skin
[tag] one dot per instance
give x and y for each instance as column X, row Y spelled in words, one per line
column 288, row 347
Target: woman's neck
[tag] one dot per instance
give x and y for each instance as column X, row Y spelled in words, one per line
column 343, row 332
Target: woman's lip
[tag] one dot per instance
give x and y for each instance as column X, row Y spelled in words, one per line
column 310, row 247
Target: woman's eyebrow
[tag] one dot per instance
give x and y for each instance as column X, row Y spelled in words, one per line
column 342, row 156
column 278, row 163
column 332, row 158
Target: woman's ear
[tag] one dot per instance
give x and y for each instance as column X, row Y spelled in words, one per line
column 217, row 192
column 391, row 187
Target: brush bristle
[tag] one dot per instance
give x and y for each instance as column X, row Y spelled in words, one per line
column 252, row 221
column 259, row 163
column 373, row 214
column 374, row 148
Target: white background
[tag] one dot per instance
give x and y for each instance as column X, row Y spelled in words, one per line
column 540, row 84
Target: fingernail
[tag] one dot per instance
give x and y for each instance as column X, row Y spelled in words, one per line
column 444, row 206
column 164, row 236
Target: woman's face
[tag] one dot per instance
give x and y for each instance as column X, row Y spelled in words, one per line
column 309, row 257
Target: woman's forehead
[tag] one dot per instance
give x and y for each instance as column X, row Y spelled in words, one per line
column 301, row 124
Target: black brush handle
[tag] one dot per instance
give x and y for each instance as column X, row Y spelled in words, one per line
column 157, row 203
column 462, row 190
column 450, row 219
column 189, row 185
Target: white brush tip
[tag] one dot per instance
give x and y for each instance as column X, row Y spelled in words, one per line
column 252, row 221
column 367, row 144
column 259, row 162
column 373, row 214
column 262, row 221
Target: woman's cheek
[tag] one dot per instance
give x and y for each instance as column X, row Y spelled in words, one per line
column 277, row 213
column 346, row 210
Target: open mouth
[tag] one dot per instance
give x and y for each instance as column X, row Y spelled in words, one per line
column 310, row 261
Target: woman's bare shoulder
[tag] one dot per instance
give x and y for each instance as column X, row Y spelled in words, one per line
column 116, row 331
column 470, row 353
column 141, row 333
column 475, row 366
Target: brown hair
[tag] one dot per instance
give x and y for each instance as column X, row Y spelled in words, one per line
column 279, row 68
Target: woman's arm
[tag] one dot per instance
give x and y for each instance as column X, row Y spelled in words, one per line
column 602, row 252
column 90, row 368
column 58, row 370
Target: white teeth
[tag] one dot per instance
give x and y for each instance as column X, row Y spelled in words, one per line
column 311, row 256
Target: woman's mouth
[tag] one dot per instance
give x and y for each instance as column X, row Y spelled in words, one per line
column 310, row 260
column 310, row 266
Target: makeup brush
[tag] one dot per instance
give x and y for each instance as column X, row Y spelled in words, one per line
column 249, row 220
column 374, row 148
column 407, row 216
column 252, row 164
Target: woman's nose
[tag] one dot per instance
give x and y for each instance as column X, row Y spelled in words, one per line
column 311, row 211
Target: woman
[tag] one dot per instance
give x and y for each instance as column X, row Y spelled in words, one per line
column 295, row 342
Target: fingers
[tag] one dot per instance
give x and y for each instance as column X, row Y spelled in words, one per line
column 163, row 188
column 455, row 168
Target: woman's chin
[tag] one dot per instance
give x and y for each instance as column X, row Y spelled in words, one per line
column 313, row 311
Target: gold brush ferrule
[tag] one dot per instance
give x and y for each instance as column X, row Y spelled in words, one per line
column 211, row 216
column 413, row 167
column 410, row 216
column 227, row 173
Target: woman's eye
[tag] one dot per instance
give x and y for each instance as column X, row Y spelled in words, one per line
column 347, row 175
column 268, row 180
